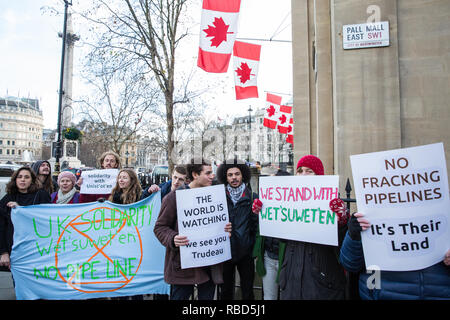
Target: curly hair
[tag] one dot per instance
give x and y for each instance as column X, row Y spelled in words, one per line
column 103, row 156
column 132, row 193
column 11, row 187
column 221, row 172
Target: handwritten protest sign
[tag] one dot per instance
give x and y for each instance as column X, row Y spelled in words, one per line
column 202, row 216
column 85, row 251
column 98, row 181
column 297, row 208
column 404, row 194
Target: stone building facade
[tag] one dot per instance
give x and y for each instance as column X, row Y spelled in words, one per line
column 373, row 99
column 21, row 126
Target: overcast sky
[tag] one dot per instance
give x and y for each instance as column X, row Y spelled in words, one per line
column 30, row 54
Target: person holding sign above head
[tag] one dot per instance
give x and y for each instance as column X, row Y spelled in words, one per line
column 235, row 175
column 182, row 281
column 429, row 283
column 310, row 270
column 108, row 160
column 178, row 180
column 67, row 192
column 23, row 189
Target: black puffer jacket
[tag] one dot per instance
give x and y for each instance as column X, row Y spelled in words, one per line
column 244, row 224
column 312, row 271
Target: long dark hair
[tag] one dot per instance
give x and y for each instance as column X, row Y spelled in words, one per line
column 132, row 193
column 11, row 187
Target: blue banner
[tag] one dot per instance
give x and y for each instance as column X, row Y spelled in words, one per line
column 84, row 251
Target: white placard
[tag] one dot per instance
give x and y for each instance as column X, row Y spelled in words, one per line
column 98, row 181
column 297, row 208
column 202, row 216
column 366, row 35
column 404, row 194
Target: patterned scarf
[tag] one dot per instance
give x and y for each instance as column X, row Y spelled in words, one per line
column 65, row 198
column 236, row 193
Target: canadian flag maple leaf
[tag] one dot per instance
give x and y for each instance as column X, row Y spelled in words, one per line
column 271, row 110
column 282, row 119
column 244, row 72
column 218, row 32
column 289, row 128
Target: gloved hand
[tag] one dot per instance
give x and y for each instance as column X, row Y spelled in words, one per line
column 354, row 228
column 340, row 208
column 257, row 206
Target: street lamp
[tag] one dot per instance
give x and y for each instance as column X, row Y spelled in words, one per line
column 126, row 158
column 61, row 91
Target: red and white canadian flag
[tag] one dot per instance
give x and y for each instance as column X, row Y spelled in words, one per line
column 218, row 31
column 246, row 62
column 283, row 119
column 290, row 131
column 273, row 103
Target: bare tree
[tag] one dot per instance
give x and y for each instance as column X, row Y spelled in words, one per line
column 143, row 33
column 119, row 105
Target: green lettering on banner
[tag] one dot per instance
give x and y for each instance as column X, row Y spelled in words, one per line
column 50, row 272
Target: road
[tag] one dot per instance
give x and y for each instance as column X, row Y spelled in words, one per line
column 6, row 286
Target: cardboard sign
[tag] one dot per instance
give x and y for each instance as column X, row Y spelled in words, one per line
column 404, row 194
column 202, row 216
column 98, row 181
column 297, row 208
column 85, row 251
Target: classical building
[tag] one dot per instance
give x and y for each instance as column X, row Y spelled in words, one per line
column 255, row 142
column 21, row 125
column 353, row 101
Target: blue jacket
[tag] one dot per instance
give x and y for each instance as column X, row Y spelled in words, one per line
column 165, row 189
column 429, row 283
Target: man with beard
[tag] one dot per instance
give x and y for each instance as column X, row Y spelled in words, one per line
column 43, row 172
column 235, row 175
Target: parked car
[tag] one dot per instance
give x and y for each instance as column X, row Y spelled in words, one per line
column 160, row 174
column 6, row 171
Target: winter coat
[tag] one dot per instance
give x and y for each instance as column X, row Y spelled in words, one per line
column 75, row 198
column 429, row 283
column 165, row 189
column 166, row 228
column 6, row 226
column 312, row 271
column 86, row 197
column 277, row 252
column 244, row 224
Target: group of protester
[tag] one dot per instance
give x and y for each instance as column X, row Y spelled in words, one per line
column 289, row 269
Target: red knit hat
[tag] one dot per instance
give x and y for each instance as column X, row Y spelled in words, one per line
column 312, row 162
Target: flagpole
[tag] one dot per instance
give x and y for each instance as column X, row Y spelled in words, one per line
column 268, row 40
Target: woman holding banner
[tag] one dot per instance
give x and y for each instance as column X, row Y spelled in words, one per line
column 67, row 192
column 429, row 283
column 127, row 190
column 22, row 190
column 310, row 270
column 108, row 160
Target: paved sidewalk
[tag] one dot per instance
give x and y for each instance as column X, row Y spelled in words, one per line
column 6, row 286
